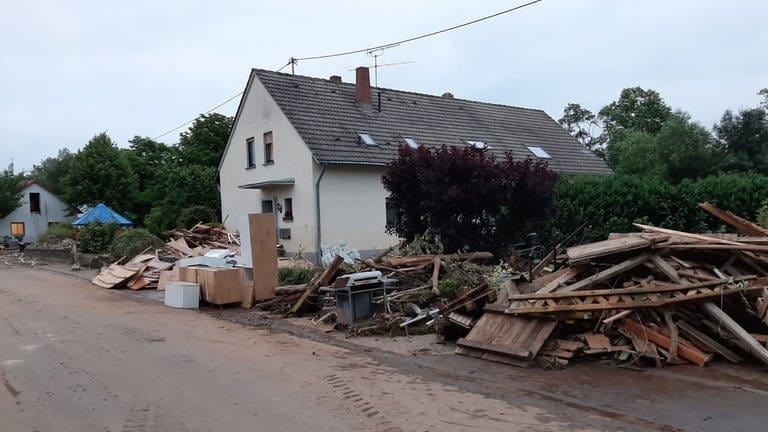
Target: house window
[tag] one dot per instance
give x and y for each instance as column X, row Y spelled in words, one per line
column 268, row 148
column 367, row 139
column 266, row 206
column 477, row 144
column 34, row 202
column 539, row 152
column 250, row 148
column 391, row 214
column 411, row 142
column 288, row 210
column 17, row 229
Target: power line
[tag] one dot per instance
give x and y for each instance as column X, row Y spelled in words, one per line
column 293, row 60
column 345, row 53
column 210, row 110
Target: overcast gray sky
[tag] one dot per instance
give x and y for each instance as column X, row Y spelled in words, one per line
column 71, row 69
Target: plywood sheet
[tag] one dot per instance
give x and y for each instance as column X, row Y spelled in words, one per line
column 263, row 235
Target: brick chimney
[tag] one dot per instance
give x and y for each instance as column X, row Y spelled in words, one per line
column 363, row 85
column 335, row 79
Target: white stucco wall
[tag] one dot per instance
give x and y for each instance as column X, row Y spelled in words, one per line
column 52, row 210
column 292, row 159
column 353, row 208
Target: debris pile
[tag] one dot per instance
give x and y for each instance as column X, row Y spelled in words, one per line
column 145, row 269
column 658, row 297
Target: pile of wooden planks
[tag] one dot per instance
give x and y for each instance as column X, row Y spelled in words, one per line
column 144, row 270
column 659, row 296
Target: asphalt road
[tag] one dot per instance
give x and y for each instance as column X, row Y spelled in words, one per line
column 74, row 357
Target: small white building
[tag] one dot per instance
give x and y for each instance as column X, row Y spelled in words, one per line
column 312, row 151
column 39, row 209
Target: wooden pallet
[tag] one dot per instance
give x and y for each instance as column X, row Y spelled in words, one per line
column 519, row 338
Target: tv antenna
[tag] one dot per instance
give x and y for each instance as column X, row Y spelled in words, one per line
column 378, row 52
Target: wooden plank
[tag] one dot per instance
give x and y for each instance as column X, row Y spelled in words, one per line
column 618, row 302
column 597, row 341
column 685, row 351
column 435, row 275
column 262, row 230
column 698, row 237
column 567, row 274
column 658, row 288
column 665, row 268
column 320, row 279
column 706, row 343
column 500, row 349
column 746, row 340
column 606, row 274
column 745, row 226
column 602, row 248
column 702, row 246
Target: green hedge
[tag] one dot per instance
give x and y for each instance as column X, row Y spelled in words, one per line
column 612, row 204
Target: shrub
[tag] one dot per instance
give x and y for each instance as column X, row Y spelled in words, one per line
column 57, row 232
column 96, row 237
column 295, row 275
column 132, row 242
column 762, row 215
column 612, row 203
column 467, row 198
column 191, row 216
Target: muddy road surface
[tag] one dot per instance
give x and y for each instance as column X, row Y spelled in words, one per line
column 74, row 357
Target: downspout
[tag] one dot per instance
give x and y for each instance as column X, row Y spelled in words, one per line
column 318, row 237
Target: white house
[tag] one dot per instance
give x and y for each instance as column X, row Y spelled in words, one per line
column 39, row 208
column 313, row 152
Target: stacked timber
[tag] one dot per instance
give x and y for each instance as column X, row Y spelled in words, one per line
column 658, row 296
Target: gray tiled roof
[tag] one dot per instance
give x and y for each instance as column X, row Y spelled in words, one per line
column 328, row 119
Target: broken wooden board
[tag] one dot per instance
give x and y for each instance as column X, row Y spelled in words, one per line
column 684, row 350
column 517, row 337
column 597, row 341
column 114, row 276
column 745, row 226
column 606, row 274
column 586, row 252
column 320, row 279
column 626, row 298
column 706, row 343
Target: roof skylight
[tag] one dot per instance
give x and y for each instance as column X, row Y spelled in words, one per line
column 411, row 142
column 367, row 139
column 539, row 152
column 477, row 144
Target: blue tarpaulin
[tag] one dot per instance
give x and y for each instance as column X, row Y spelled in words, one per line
column 103, row 214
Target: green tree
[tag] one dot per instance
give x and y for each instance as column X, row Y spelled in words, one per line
column 10, row 191
column 586, row 127
column 51, row 171
column 636, row 109
column 100, row 173
column 636, row 153
column 764, row 102
column 148, row 160
column 180, row 187
column 743, row 139
column 685, row 149
column 204, row 142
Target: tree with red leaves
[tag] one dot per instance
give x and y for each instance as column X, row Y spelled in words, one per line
column 469, row 198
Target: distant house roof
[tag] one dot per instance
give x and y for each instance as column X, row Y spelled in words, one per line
column 102, row 214
column 338, row 131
